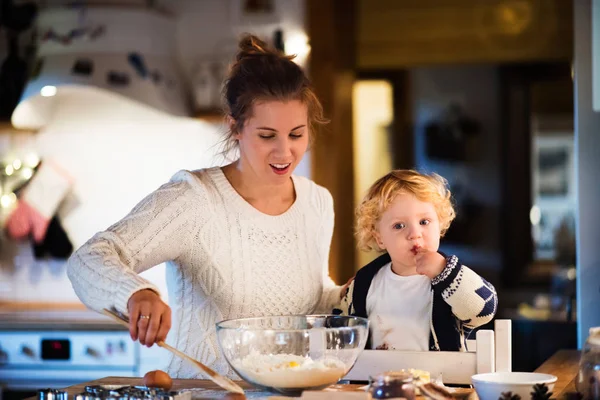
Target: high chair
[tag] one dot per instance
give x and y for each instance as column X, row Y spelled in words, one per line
column 489, row 352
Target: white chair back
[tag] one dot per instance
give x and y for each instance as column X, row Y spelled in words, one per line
column 489, row 352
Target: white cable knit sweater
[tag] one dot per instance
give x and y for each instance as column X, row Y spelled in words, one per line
column 225, row 259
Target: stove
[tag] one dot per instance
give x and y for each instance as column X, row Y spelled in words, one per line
column 38, row 353
column 116, row 392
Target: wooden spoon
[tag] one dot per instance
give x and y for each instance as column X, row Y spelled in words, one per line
column 217, row 378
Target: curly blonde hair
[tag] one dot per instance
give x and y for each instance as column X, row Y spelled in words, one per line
column 431, row 188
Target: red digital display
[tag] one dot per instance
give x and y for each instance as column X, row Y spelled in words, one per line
column 56, row 349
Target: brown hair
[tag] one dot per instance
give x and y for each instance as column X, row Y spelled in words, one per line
column 264, row 74
column 431, row 188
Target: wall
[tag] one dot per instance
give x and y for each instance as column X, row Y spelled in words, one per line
column 587, row 163
column 116, row 152
column 208, row 30
column 475, row 89
column 119, row 151
column 84, row 138
column 373, row 113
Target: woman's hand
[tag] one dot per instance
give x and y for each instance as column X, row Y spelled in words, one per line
column 149, row 317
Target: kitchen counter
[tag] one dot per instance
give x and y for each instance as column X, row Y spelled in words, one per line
column 60, row 319
column 564, row 364
column 203, row 389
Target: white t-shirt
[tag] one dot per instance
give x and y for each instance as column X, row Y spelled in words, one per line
column 399, row 310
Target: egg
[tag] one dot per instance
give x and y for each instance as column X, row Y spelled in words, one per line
column 158, row 379
column 236, row 396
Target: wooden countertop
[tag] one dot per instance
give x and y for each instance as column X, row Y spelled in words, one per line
column 14, row 318
column 564, row 364
column 205, row 389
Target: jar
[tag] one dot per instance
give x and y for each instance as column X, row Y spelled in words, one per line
column 588, row 378
column 392, row 385
column 52, row 394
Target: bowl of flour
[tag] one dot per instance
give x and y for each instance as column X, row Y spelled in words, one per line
column 293, row 353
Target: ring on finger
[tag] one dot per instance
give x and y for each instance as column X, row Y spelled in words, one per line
column 144, row 317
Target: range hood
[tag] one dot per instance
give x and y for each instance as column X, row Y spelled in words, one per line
column 128, row 52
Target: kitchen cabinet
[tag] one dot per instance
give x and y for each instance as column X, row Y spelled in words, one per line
column 399, row 34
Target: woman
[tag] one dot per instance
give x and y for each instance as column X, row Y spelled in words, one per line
column 247, row 239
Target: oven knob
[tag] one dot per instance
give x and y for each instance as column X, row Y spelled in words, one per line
column 3, row 357
column 27, row 351
column 92, row 352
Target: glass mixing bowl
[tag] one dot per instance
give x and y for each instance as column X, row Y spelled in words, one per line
column 289, row 354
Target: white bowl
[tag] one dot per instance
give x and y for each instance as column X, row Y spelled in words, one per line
column 490, row 386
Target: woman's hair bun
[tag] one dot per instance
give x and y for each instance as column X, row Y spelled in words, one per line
column 252, row 46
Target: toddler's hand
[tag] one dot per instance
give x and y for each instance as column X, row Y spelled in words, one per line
column 429, row 263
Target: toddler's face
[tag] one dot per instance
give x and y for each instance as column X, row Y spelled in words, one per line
column 408, row 224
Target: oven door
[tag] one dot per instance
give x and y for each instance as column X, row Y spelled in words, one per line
column 20, row 383
column 33, row 379
column 57, row 359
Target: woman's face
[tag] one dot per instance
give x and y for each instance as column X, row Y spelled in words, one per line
column 274, row 139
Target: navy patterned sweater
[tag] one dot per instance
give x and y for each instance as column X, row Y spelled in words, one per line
column 462, row 301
